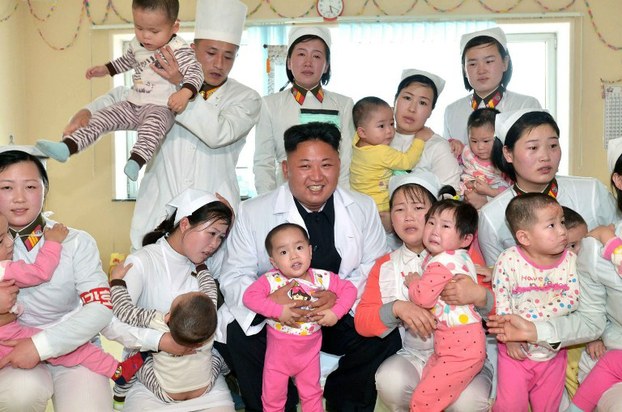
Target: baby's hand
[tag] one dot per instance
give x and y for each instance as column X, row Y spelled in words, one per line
column 96, row 71
column 410, row 278
column 119, row 270
column 328, row 318
column 425, row 134
column 178, row 101
column 603, row 233
column 517, row 350
column 58, row 233
column 483, row 188
column 456, row 147
column 596, row 349
column 485, row 271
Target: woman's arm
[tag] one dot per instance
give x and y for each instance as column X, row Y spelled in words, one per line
column 264, row 158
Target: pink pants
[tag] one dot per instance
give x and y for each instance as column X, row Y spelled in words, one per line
column 459, row 355
column 606, row 373
column 87, row 355
column 523, row 382
column 292, row 356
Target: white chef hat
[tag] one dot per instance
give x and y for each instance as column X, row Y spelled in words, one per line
column 494, row 32
column 423, row 177
column 439, row 82
column 221, row 20
column 298, row 31
column 614, row 151
column 187, row 202
column 31, row 150
column 505, row 120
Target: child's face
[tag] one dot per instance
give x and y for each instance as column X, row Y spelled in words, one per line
column 574, row 237
column 481, row 140
column 378, row 128
column 440, row 233
column 6, row 240
column 413, row 107
column 548, row 236
column 408, row 218
column 484, row 68
column 291, row 253
column 153, row 28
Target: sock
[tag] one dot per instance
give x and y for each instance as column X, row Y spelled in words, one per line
column 56, row 150
column 129, row 367
column 131, row 169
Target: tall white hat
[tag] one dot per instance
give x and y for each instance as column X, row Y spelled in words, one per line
column 221, row 20
column 421, row 177
column 298, row 31
column 187, row 202
column 614, row 151
column 494, row 32
column 505, row 120
column 438, row 81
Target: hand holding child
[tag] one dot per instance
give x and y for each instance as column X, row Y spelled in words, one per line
column 288, row 316
column 484, row 271
column 517, row 350
column 603, row 233
column 456, row 147
column 410, row 278
column 178, row 101
column 97, row 71
column 120, row 270
column 58, row 233
column 596, row 349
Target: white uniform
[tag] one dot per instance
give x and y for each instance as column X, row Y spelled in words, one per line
column 200, row 151
column 159, row 274
column 56, row 307
column 436, row 157
column 279, row 112
column 359, row 239
column 457, row 114
column 584, row 195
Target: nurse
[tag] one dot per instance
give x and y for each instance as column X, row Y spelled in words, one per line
column 70, row 309
column 202, row 148
column 308, row 70
column 415, row 99
column 486, row 70
column 527, row 150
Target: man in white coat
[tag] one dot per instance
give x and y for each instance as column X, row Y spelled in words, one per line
column 347, row 237
column 202, row 148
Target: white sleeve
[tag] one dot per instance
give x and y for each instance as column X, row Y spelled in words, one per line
column 116, row 95
column 345, row 147
column 264, row 160
column 488, row 237
column 445, row 165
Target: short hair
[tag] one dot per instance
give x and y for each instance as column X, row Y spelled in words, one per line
column 414, row 192
column 482, row 117
column 308, row 37
column 169, row 7
column 11, row 157
column 465, row 215
column 325, row 132
column 365, row 107
column 521, row 211
column 421, row 79
column 280, row 228
column 193, row 320
column 572, row 218
column 482, row 40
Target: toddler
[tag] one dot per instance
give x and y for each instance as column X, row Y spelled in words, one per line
column 459, row 341
column 537, row 280
column 153, row 100
column 293, row 347
column 479, row 174
column 373, row 160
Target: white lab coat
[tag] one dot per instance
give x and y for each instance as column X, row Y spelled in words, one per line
column 585, row 195
column 359, row 239
column 280, row 111
column 436, row 157
column 200, row 151
column 457, row 114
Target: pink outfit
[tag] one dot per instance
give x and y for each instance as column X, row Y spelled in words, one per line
column 294, row 352
column 474, row 168
column 26, row 275
column 459, row 340
column 606, row 373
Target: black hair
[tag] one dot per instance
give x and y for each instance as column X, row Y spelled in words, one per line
column 325, row 132
column 280, row 228
column 465, row 215
column 364, row 107
column 482, row 117
column 421, row 79
column 212, row 211
column 11, row 157
column 415, row 193
column 617, row 169
column 521, row 211
column 170, row 7
column 193, row 320
column 480, row 41
column 525, row 124
column 572, row 218
column 308, row 37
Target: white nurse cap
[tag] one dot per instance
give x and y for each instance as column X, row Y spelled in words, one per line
column 421, row 177
column 221, row 20
column 494, row 32
column 297, row 32
column 31, row 150
column 614, row 151
column 505, row 120
column 439, row 82
column 187, row 202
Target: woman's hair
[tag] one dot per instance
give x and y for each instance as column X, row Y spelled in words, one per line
column 11, row 157
column 465, row 215
column 212, row 211
column 308, row 37
column 418, row 78
column 525, row 124
column 617, row 169
column 193, row 320
column 414, row 193
column 480, row 41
